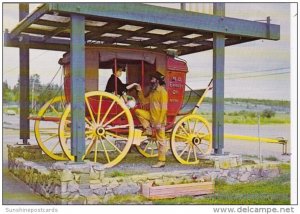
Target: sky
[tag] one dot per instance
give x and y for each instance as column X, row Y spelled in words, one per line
column 259, row 69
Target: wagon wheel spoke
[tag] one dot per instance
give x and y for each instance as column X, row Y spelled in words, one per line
column 49, row 138
column 188, row 126
column 195, row 153
column 117, row 127
column 182, row 128
column 148, row 148
column 116, row 136
column 189, row 153
column 113, row 145
column 54, row 109
column 152, row 150
column 194, row 127
column 87, row 102
column 114, row 118
column 89, row 132
column 182, row 137
column 187, row 145
column 105, row 151
column 55, row 145
column 203, row 125
column 107, row 112
column 99, row 110
column 96, row 151
column 200, row 150
column 88, row 122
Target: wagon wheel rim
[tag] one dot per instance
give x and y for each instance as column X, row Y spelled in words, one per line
column 148, row 148
column 46, row 132
column 191, row 138
column 102, row 143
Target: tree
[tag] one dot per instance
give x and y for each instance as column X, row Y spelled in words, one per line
column 8, row 95
column 268, row 113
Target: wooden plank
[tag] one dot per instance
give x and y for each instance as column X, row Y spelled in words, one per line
column 172, row 191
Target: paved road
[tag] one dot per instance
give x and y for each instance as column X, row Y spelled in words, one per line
column 15, row 191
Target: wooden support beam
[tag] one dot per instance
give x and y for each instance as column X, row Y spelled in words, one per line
column 24, row 79
column 37, row 42
column 77, row 86
column 218, row 84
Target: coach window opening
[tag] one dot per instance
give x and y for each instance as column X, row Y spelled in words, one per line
column 140, row 64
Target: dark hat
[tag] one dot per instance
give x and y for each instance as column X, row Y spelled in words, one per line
column 157, row 75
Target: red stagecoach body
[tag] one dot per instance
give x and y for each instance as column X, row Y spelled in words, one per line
column 140, row 64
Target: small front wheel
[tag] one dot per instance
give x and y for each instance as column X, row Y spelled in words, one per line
column 46, row 128
column 191, row 137
column 148, row 148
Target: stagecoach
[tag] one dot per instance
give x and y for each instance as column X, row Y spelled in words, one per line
column 111, row 127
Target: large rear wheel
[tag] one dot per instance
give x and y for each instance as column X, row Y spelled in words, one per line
column 109, row 129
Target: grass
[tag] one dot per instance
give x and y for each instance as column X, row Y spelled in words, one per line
column 250, row 120
column 15, row 109
column 269, row 192
column 128, row 199
column 285, row 168
column 266, row 192
column 271, row 158
column 275, row 191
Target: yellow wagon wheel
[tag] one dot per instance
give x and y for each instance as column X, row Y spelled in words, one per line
column 46, row 128
column 148, row 148
column 109, row 129
column 191, row 137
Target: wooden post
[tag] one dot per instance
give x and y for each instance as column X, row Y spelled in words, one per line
column 218, row 84
column 78, row 86
column 24, row 79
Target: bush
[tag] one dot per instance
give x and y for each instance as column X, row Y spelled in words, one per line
column 268, row 113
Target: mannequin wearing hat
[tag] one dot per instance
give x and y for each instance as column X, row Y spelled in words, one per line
column 121, row 87
column 154, row 120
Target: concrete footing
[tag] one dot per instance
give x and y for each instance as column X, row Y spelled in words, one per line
column 224, row 161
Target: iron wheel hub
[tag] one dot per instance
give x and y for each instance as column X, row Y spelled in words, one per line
column 196, row 140
column 100, row 131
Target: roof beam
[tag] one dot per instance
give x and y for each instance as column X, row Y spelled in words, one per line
column 38, row 42
column 29, row 20
column 167, row 17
